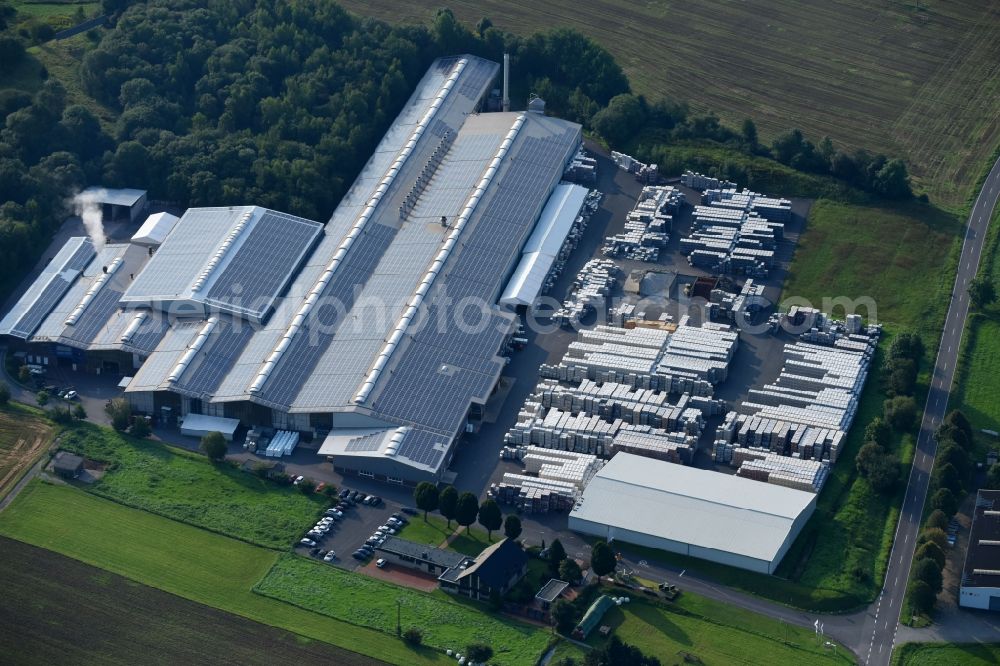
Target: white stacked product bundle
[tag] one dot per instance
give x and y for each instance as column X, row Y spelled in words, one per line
column 647, row 225
column 808, row 475
column 673, row 447
column 697, row 181
column 592, row 286
column 778, row 210
column 730, row 226
column 701, row 352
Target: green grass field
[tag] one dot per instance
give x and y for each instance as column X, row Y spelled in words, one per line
column 941, row 654
column 183, row 560
column 57, row 610
column 185, row 486
column 902, row 258
column 432, row 532
column 445, row 620
column 714, row 633
column 59, row 12
column 913, row 79
column 977, row 382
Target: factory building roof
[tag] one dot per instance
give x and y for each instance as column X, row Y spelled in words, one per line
column 700, row 507
column 982, row 559
column 236, row 260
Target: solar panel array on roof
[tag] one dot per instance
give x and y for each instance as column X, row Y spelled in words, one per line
column 63, row 278
column 149, row 335
column 94, row 317
column 217, row 358
column 369, row 442
column 473, row 85
column 261, row 268
column 315, row 336
column 423, row 447
column 452, row 364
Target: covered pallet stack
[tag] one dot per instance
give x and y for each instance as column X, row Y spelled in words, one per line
column 808, row 475
column 553, row 480
column 806, row 412
column 647, row 226
column 702, row 353
column 697, row 181
column 590, row 290
column 675, row 447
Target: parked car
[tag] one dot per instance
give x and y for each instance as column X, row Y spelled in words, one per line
column 309, row 543
column 315, row 551
column 370, row 500
column 71, row 395
column 376, row 500
column 400, row 517
column 367, row 549
column 409, row 510
column 344, row 493
column 380, row 563
column 330, row 557
column 298, row 480
column 357, row 496
column 393, row 522
column 359, row 554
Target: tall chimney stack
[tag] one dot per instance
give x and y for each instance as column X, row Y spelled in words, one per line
column 506, row 82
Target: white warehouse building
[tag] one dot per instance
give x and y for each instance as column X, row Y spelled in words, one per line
column 694, row 512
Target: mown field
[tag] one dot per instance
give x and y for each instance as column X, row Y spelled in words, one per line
column 23, row 438
column 977, row 381
column 185, row 486
column 445, row 620
column 58, row 610
column 186, row 561
column 713, row 633
column 941, row 654
column 913, row 79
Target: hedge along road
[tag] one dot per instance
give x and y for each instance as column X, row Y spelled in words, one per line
column 882, row 619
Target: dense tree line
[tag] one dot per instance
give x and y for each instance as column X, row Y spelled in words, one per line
column 631, row 122
column 243, row 101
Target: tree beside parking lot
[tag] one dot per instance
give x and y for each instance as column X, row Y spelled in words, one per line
column 42, row 398
column 448, row 503
column 490, row 517
column 512, row 527
column 214, row 446
column 556, row 555
column 79, row 413
column 468, row 509
column 569, row 571
column 426, row 497
column 4, row 394
column 120, row 413
column 140, row 428
column 602, row 559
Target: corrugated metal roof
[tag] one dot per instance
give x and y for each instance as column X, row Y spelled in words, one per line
column 693, row 506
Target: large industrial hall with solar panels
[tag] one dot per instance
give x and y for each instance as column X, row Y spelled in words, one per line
column 342, row 332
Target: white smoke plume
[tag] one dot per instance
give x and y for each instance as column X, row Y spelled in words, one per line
column 87, row 206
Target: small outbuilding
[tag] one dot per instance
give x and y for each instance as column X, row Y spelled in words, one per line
column 117, row 203
column 67, row 465
column 155, row 229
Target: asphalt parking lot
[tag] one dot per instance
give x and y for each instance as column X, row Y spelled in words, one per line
column 351, row 531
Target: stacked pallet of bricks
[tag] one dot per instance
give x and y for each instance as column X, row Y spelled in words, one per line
column 610, row 400
column 702, row 353
column 591, row 288
column 635, row 357
column 762, row 465
column 644, row 173
column 731, row 240
column 553, row 480
column 675, row 447
column 806, row 412
column 770, row 208
column 697, row 181
column 582, row 169
column 646, row 226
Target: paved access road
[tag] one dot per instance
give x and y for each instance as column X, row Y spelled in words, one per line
column 883, row 619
